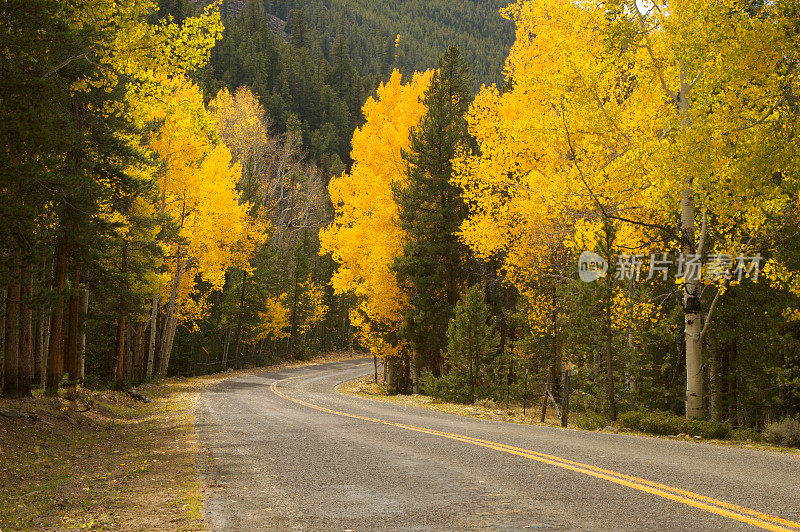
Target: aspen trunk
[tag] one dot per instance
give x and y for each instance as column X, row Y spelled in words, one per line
column 55, row 355
column 11, row 339
column 151, row 346
column 170, row 320
column 691, row 290
column 137, row 353
column 171, row 338
column 226, row 347
column 691, row 313
column 26, row 333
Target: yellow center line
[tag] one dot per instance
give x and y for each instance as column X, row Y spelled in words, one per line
column 696, row 500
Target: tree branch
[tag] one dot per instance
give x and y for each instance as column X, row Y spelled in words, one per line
column 66, row 62
column 649, row 47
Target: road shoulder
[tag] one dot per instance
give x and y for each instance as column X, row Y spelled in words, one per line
column 366, row 388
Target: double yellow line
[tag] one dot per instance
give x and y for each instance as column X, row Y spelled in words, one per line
column 714, row 506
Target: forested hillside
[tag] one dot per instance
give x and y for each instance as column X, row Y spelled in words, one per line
column 316, row 62
column 409, row 34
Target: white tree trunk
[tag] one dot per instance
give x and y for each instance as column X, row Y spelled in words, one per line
column 170, row 321
column 225, row 349
column 151, row 349
column 691, row 291
column 691, row 314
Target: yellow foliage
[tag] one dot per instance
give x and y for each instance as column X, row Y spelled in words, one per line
column 197, row 189
column 364, row 238
column 273, row 321
column 592, row 129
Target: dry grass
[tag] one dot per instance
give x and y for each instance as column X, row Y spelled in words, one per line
column 366, row 387
column 97, row 460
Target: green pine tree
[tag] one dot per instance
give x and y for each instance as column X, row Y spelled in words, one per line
column 472, row 338
column 434, row 262
column 298, row 28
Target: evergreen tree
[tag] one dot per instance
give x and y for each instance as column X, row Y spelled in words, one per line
column 472, row 338
column 297, row 28
column 434, row 262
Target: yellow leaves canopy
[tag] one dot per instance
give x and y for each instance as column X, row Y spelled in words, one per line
column 364, row 238
column 197, row 190
column 592, row 127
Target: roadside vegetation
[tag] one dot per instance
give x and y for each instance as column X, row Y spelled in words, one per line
column 97, row 460
column 781, row 436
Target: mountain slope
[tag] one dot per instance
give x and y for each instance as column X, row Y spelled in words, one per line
column 425, row 29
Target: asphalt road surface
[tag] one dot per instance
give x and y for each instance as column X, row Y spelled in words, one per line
column 281, row 450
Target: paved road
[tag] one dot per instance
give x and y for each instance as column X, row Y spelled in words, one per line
column 294, row 455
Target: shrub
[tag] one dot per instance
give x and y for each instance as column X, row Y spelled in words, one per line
column 590, row 421
column 486, row 403
column 664, row 424
column 631, row 420
column 707, row 429
column 452, row 387
column 744, row 435
column 785, row 432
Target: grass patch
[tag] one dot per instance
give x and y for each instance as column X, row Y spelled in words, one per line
column 367, row 388
column 97, row 460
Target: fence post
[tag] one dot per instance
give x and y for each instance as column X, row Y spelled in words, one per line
column 565, row 398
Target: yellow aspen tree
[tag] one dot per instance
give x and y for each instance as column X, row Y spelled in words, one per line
column 364, row 238
column 198, row 191
column 641, row 115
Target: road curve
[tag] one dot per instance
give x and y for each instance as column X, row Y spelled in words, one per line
column 282, row 451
